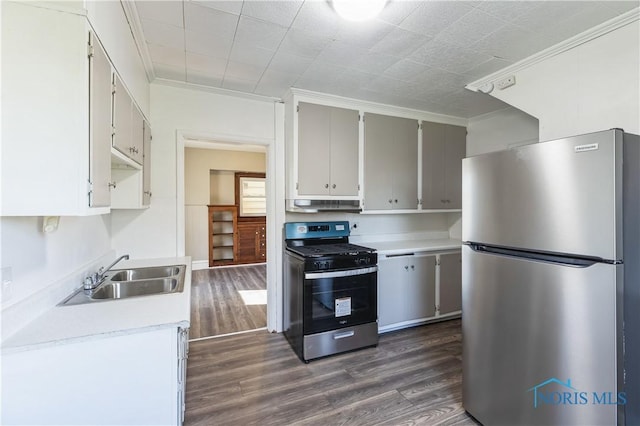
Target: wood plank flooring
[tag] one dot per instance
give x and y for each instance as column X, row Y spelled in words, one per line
column 413, row 377
column 216, row 305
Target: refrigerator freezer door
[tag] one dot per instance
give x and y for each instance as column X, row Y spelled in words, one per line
column 539, row 330
column 557, row 196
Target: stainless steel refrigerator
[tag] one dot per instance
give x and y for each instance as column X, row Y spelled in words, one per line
column 551, row 282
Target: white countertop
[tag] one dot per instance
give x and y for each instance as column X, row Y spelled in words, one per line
column 409, row 246
column 65, row 324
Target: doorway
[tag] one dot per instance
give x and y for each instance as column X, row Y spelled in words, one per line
column 229, row 280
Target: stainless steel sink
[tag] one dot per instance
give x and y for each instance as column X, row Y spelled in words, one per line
column 120, row 290
column 144, row 273
column 133, row 282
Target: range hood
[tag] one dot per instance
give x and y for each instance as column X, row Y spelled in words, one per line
column 315, row 206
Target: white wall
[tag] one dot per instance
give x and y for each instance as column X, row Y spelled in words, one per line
column 222, row 187
column 500, row 130
column 44, row 268
column 198, row 192
column 112, row 27
column 153, row 232
column 47, row 267
column 200, row 162
column 592, row 87
column 375, row 227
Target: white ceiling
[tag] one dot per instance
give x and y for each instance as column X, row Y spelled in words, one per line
column 416, row 54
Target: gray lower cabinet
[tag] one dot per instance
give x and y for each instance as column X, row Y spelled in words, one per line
column 443, row 148
column 406, row 289
column 417, row 287
column 450, row 283
column 327, row 150
column 390, row 162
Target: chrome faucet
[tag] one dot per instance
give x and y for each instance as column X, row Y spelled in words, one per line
column 93, row 281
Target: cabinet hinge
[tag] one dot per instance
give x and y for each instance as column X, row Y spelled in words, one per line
column 297, row 108
column 89, row 187
column 437, row 260
column 419, row 201
column 89, row 50
column 358, row 187
column 419, row 126
column 296, row 185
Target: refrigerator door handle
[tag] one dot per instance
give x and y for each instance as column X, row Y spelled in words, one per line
column 562, row 259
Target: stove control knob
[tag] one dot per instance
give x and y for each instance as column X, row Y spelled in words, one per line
column 322, row 264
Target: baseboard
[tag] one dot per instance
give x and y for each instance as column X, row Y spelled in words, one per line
column 197, row 265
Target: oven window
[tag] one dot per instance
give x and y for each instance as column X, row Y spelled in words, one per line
column 332, row 303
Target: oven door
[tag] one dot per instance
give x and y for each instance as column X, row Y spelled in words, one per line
column 337, row 299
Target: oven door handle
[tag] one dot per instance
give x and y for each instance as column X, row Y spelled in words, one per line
column 338, row 274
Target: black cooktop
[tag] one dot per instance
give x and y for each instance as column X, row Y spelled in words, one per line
column 320, row 250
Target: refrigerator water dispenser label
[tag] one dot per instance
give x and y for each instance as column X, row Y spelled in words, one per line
column 343, row 307
column 587, row 147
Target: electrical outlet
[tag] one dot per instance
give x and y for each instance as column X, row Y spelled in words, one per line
column 506, row 82
column 5, row 278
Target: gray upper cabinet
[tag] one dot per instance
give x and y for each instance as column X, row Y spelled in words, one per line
column 390, row 162
column 99, row 125
column 327, row 151
column 443, row 148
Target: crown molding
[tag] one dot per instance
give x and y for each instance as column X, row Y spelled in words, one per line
column 131, row 13
column 216, row 90
column 568, row 44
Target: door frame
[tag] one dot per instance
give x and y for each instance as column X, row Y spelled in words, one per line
column 275, row 183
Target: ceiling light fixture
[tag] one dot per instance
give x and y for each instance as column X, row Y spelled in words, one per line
column 358, row 10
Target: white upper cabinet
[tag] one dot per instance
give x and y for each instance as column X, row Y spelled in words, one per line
column 127, row 123
column 327, row 147
column 390, row 162
column 443, row 148
column 100, row 124
column 146, row 165
column 53, row 88
column 132, row 181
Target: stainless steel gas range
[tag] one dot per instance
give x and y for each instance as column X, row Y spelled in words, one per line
column 330, row 290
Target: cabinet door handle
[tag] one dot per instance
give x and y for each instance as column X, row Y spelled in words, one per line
column 413, row 267
column 396, row 201
column 406, row 268
column 148, row 193
column 112, row 184
column 390, row 201
column 333, row 186
column 326, row 185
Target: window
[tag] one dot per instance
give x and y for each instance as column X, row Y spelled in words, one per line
column 251, row 191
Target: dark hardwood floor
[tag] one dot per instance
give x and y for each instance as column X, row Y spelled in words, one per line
column 412, row 377
column 216, row 304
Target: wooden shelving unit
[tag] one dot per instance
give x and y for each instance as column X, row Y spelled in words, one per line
column 223, row 235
